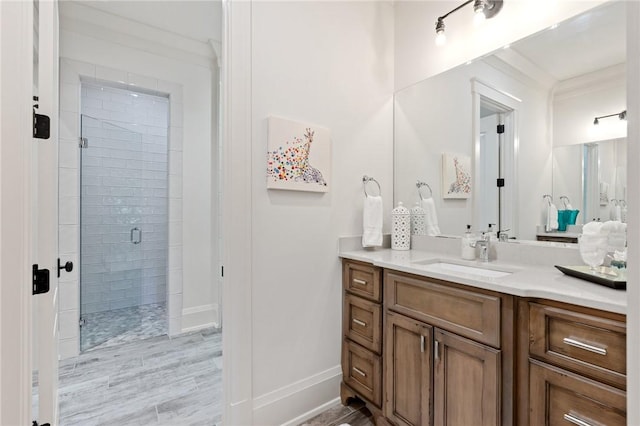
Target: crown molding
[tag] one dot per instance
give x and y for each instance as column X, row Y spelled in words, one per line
column 613, row 76
column 79, row 18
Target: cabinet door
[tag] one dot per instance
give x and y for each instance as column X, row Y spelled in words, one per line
column 466, row 382
column 408, row 370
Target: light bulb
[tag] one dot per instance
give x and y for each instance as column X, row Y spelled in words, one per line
column 441, row 38
column 479, row 18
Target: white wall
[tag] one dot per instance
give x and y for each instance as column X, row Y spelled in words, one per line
column 417, row 56
column 330, row 64
column 435, row 116
column 103, row 48
column 579, row 100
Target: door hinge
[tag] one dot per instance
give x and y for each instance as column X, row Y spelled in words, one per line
column 35, row 423
column 500, row 128
column 82, row 322
column 41, row 123
column 84, row 143
column 500, row 182
column 40, row 280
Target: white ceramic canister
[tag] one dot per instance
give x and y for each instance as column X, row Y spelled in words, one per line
column 418, row 220
column 400, row 228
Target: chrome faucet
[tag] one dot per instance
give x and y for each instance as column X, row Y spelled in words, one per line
column 485, row 245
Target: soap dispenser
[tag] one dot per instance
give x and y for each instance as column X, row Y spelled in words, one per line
column 468, row 250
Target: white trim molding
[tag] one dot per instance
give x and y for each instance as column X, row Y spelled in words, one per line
column 200, row 317
column 299, row 399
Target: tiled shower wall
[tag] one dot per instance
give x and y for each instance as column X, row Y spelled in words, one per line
column 124, row 186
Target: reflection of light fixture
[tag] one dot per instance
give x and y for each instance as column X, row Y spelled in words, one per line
column 484, row 9
column 621, row 115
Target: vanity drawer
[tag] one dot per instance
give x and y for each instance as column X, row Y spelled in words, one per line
column 362, row 322
column 562, row 398
column 362, row 279
column 362, row 371
column 587, row 344
column 467, row 313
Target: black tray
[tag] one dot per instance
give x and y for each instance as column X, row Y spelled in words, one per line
column 605, row 276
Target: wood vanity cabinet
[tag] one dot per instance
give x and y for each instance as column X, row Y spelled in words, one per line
column 443, row 357
column 573, row 365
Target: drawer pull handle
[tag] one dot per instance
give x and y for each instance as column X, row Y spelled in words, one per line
column 360, row 372
column 359, row 282
column 576, row 420
column 422, row 339
column 581, row 345
column 360, row 323
column 436, row 350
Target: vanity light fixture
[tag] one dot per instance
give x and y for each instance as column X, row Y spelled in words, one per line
column 621, row 115
column 484, row 9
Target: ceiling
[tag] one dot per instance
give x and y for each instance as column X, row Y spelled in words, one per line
column 583, row 44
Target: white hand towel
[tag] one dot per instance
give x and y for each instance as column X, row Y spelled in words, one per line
column 552, row 217
column 372, row 222
column 616, row 213
column 431, row 216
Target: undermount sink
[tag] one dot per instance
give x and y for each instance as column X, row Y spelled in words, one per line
column 447, row 267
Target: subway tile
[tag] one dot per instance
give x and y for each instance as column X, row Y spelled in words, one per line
column 69, row 348
column 68, row 153
column 87, row 102
column 175, row 281
column 69, row 295
column 96, row 92
column 175, row 257
column 91, row 308
column 68, row 238
column 175, row 163
column 70, row 97
column 75, row 272
column 176, row 112
column 175, row 187
column 175, row 138
column 68, row 321
column 158, row 131
column 175, row 303
column 68, row 209
column 69, row 125
column 175, row 210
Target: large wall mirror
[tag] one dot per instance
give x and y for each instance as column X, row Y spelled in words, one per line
column 546, row 91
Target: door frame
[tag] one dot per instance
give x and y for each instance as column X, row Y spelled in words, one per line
column 17, row 189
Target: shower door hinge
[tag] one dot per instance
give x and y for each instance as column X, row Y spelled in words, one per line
column 500, row 128
column 84, row 143
column 35, row 423
column 82, row 322
column 500, row 182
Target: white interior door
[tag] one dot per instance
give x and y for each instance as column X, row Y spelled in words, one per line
column 45, row 325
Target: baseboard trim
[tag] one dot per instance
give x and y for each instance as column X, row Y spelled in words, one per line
column 302, row 398
column 312, row 413
column 199, row 317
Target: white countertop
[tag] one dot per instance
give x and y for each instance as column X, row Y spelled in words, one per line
column 525, row 280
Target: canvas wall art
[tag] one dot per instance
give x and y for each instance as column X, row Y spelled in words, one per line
column 456, row 176
column 298, row 156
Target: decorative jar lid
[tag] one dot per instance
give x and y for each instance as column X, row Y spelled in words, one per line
column 417, row 210
column 400, row 210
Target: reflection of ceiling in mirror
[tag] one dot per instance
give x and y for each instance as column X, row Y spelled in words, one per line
column 584, row 44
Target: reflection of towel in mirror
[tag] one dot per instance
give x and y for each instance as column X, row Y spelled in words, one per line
column 616, row 212
column 552, row 217
column 372, row 221
column 431, row 216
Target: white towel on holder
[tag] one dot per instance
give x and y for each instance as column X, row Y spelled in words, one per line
column 431, row 216
column 372, row 221
column 552, row 217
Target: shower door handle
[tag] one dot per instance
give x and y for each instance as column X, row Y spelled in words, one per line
column 138, row 238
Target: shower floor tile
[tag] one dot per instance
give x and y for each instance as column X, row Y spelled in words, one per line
column 111, row 328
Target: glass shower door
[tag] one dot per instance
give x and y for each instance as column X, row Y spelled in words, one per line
column 112, row 233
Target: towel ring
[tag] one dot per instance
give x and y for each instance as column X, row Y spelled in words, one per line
column 548, row 198
column 420, row 184
column 565, row 200
column 365, row 180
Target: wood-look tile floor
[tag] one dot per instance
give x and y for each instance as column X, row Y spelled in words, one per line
column 354, row 415
column 157, row 381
